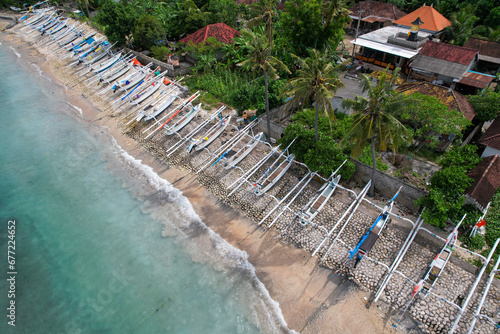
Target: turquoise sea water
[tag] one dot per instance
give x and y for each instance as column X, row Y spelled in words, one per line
column 102, row 244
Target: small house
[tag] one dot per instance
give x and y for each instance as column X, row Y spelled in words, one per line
column 491, row 139
column 373, row 15
column 486, row 178
column 442, row 64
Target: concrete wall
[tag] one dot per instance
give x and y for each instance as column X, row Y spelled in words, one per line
column 276, row 129
column 183, row 69
column 387, row 185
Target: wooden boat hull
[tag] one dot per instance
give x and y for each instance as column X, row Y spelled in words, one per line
column 209, row 138
column 274, row 177
column 184, row 121
column 235, row 159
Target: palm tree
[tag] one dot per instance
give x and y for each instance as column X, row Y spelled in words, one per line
column 462, row 25
column 266, row 12
column 317, row 81
column 259, row 51
column 374, row 121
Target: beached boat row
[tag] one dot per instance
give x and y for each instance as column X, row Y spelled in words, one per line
column 157, row 108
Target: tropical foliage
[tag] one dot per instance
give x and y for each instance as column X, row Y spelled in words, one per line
column 324, row 155
column 316, row 82
column 486, row 104
column 314, row 24
column 429, row 118
column 258, row 49
column 374, row 122
column 444, row 200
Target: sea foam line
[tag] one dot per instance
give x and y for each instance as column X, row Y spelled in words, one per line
column 77, row 109
column 15, row 52
column 227, row 251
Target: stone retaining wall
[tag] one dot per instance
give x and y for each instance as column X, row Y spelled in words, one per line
column 387, row 185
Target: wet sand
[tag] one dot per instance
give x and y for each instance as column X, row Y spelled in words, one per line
column 311, row 300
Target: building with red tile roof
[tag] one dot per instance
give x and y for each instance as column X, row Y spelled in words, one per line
column 486, row 178
column 491, row 139
column 433, row 20
column 221, row 31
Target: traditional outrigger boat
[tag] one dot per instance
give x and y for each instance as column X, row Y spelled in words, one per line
column 156, row 83
column 318, row 202
column 165, row 103
column 264, row 184
column 232, row 158
column 210, row 135
column 438, row 264
column 181, row 123
column 370, row 237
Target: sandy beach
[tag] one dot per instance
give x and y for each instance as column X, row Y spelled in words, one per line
column 312, row 301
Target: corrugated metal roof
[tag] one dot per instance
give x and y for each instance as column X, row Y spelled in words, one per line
column 389, row 48
column 448, row 52
column 476, row 79
column 485, row 47
column 439, row 66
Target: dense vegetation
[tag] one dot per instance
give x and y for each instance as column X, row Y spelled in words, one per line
column 290, row 56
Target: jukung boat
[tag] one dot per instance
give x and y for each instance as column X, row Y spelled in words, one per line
column 208, row 137
column 181, row 123
column 232, row 158
column 165, row 103
column 266, row 183
column 147, row 92
column 370, row 237
column 318, row 202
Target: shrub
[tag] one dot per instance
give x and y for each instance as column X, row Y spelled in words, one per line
column 486, row 104
column 366, row 157
column 148, row 32
column 445, row 199
column 160, row 52
column 323, row 156
column 475, row 243
column 493, row 220
column 466, row 157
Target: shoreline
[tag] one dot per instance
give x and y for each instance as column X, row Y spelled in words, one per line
column 311, row 301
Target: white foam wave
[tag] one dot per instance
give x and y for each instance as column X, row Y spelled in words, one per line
column 40, row 72
column 76, row 108
column 272, row 320
column 15, row 52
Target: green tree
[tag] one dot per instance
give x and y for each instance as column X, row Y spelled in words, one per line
column 118, row 20
column 265, row 12
column 445, row 199
column 486, row 104
column 323, row 155
column 314, row 24
column 148, row 32
column 316, row 82
column 374, row 122
column 429, row 117
column 464, row 156
column 493, row 18
column 259, row 59
column 462, row 25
